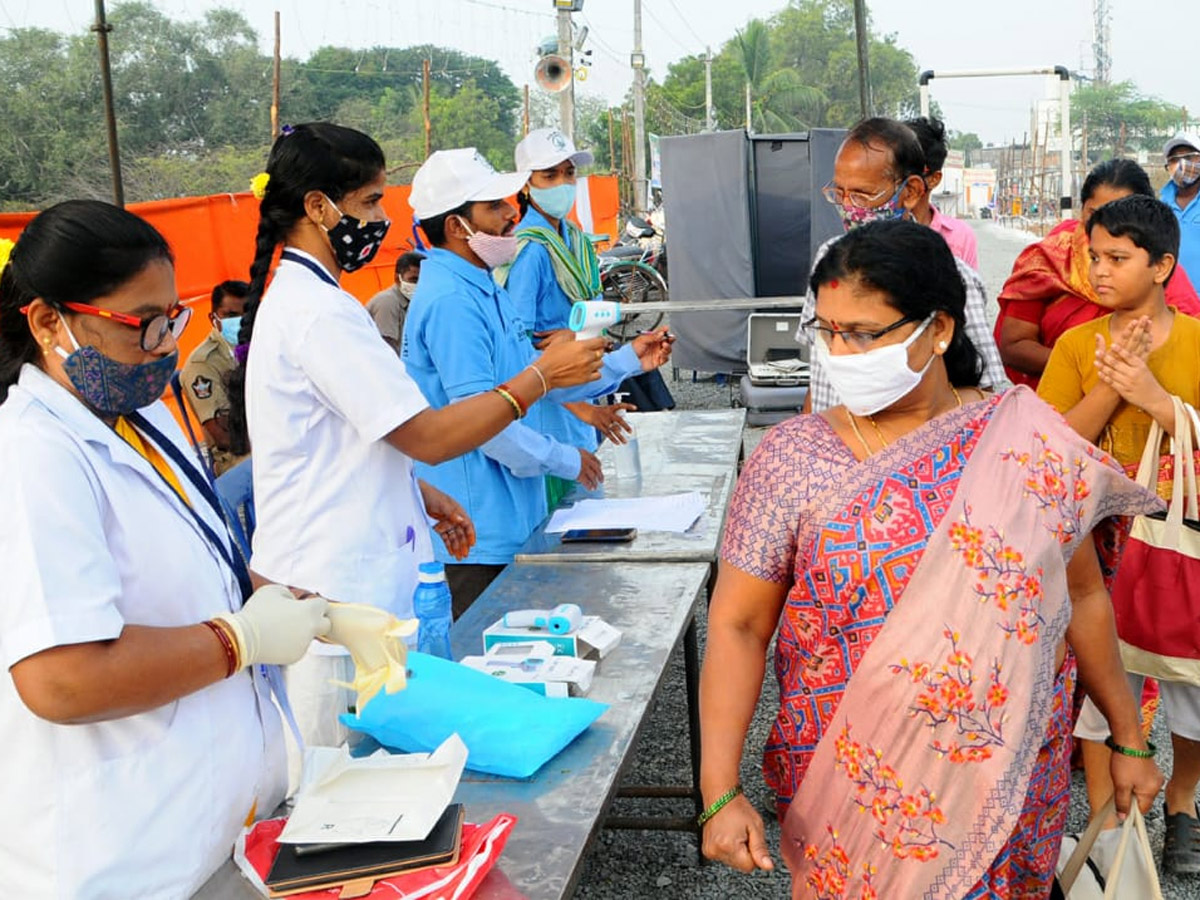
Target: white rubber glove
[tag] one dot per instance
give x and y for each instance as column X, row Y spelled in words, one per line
column 276, row 628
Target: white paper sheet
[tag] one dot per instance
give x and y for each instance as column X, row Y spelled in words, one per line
column 382, row 797
column 670, row 512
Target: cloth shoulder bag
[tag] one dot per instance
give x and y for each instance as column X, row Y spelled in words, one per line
column 1132, row 873
column 1156, row 592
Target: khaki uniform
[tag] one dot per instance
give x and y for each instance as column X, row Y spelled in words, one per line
column 389, row 308
column 203, row 380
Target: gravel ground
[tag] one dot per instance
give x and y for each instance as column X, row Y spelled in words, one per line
column 636, row 864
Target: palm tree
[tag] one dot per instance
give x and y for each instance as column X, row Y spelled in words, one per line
column 775, row 100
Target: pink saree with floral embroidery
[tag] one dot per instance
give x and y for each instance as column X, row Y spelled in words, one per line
column 923, row 740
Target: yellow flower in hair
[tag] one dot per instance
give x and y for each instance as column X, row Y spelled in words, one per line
column 6, row 248
column 258, row 185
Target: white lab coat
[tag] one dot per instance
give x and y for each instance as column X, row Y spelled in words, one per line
column 338, row 509
column 91, row 538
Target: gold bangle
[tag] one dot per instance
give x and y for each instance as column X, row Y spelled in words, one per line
column 512, row 401
column 541, row 378
column 228, row 644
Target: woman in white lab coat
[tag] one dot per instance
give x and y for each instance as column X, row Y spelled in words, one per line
column 138, row 733
column 333, row 418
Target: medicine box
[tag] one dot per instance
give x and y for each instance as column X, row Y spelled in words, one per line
column 535, row 666
column 594, row 639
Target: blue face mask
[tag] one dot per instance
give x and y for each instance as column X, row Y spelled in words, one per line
column 230, row 328
column 555, row 202
column 114, row 388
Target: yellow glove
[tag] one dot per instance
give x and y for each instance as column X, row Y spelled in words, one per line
column 374, row 638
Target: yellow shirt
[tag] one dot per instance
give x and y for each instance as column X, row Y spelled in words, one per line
column 1071, row 373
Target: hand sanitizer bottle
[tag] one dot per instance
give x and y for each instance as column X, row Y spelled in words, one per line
column 626, row 458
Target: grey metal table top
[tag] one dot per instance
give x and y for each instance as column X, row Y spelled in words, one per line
column 700, row 543
column 561, row 809
column 677, row 440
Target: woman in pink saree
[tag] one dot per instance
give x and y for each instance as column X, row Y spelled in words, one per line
column 916, row 551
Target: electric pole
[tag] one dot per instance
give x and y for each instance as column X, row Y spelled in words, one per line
column 638, row 61
column 566, row 49
column 864, row 75
column 708, row 107
column 275, row 83
column 102, row 29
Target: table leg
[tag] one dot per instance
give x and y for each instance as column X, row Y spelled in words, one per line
column 691, row 669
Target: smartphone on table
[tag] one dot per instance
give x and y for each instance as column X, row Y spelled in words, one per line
column 599, row 535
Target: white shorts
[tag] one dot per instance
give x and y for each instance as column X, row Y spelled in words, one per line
column 1180, row 703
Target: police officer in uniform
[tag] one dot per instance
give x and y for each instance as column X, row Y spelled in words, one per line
column 206, row 370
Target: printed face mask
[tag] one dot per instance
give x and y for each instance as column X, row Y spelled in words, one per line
column 874, row 380
column 854, row 216
column 555, row 202
column 355, row 241
column 230, row 328
column 1187, row 172
column 494, row 249
column 114, row 388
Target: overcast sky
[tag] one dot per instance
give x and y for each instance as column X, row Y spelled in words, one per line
column 943, row 35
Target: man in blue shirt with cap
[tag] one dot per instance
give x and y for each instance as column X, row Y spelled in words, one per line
column 1182, row 153
column 463, row 335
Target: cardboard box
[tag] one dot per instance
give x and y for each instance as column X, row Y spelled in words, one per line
column 535, row 666
column 594, row 639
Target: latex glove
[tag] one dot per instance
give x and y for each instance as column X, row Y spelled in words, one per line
column 374, row 638
column 276, row 628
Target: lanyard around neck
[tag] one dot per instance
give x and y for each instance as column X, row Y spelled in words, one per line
column 199, row 480
column 314, row 267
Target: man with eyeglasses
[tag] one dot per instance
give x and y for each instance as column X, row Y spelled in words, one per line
column 877, row 175
column 1182, row 153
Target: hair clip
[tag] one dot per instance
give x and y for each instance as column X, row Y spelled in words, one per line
column 286, row 130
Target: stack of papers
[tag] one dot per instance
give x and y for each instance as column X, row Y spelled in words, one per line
column 382, row 797
column 671, row 512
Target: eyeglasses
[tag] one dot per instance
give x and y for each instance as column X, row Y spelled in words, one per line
column 838, row 196
column 856, row 340
column 154, row 329
column 1182, row 157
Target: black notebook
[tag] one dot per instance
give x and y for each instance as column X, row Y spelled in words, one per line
column 292, row 872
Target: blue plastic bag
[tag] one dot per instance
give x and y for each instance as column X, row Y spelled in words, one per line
column 508, row 729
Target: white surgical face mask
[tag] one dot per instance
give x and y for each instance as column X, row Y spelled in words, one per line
column 408, row 288
column 874, row 380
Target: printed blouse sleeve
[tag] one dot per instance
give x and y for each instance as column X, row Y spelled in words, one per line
column 764, row 516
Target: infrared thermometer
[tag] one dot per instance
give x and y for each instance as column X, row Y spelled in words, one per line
column 563, row 619
column 589, row 318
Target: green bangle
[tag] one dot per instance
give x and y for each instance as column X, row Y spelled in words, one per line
column 718, row 805
column 1129, row 751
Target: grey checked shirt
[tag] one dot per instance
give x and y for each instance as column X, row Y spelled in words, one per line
column 978, row 330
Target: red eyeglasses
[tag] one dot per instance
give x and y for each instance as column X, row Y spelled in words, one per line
column 154, row 329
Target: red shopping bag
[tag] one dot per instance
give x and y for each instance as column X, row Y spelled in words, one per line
column 1156, row 593
column 481, row 847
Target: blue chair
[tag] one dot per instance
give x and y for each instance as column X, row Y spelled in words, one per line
column 236, row 490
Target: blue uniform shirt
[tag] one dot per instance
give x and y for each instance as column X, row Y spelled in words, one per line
column 539, row 299
column 463, row 337
column 1189, row 227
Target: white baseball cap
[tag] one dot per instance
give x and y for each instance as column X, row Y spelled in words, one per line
column 545, row 148
column 450, row 178
column 1183, row 139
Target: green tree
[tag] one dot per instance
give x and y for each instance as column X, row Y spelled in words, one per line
column 1119, row 117
column 777, row 99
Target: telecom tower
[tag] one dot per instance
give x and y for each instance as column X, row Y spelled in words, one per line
column 1101, row 41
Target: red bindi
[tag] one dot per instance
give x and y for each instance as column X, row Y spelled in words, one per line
column 833, row 283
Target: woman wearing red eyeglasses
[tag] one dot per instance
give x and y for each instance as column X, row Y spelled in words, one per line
column 138, row 731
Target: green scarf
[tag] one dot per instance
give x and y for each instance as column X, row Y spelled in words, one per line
column 576, row 268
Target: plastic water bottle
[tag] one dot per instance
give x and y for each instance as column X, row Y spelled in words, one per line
column 431, row 603
column 627, row 459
